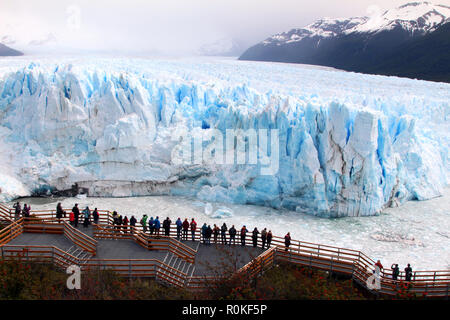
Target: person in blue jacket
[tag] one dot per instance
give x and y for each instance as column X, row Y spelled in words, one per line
column 151, row 225
column 157, row 226
column 179, row 225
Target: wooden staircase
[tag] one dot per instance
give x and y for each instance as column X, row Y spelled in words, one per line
column 174, row 270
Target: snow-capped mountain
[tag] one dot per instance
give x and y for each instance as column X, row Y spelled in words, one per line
column 7, row 51
column 226, row 47
column 356, row 44
column 323, row 28
column 415, row 17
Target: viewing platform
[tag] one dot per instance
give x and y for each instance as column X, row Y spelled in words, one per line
column 130, row 252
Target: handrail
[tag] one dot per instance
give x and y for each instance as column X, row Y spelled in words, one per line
column 10, row 232
column 325, row 257
column 80, row 239
column 147, row 241
column 58, row 256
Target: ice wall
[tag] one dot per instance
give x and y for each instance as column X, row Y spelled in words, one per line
column 111, row 131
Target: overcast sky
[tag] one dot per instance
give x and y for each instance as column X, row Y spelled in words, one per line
column 167, row 26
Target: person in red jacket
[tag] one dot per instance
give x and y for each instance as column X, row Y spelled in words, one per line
column 193, row 228
column 125, row 224
column 379, row 265
column 287, row 241
column 71, row 217
column 185, row 229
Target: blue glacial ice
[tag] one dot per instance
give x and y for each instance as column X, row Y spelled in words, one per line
column 349, row 144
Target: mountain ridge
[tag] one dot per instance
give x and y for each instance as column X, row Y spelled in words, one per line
column 360, row 43
column 6, row 51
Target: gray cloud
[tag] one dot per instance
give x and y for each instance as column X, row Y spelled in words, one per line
column 166, row 26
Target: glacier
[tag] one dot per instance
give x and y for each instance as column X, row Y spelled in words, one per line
column 349, row 144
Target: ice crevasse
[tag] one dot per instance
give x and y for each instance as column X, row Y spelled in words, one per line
column 112, row 132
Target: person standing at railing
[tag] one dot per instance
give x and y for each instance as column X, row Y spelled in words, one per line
column 95, row 215
column 379, row 265
column 166, row 226
column 232, row 233
column 115, row 217
column 76, row 213
column 395, row 271
column 125, row 224
column 216, row 231
column 151, row 225
column 203, row 232
column 264, row 237
column 86, row 215
column 119, row 223
column 185, row 229
column 208, row 234
column 26, row 210
column 179, row 225
column 223, row 233
column 59, row 212
column 157, row 225
column 193, row 228
column 143, row 223
column 269, row 238
column 71, row 218
column 132, row 223
column 255, row 234
column 408, row 273
column 243, row 235
column 17, row 210
column 287, row 241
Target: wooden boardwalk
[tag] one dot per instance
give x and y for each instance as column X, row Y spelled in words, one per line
column 132, row 253
column 208, row 257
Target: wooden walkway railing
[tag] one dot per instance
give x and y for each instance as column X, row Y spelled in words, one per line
column 49, row 254
column 80, row 239
column 13, row 230
column 329, row 258
column 149, row 242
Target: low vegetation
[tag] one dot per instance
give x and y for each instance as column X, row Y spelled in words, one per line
column 22, row 280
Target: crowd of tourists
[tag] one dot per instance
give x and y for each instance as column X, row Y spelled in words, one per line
column 184, row 230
